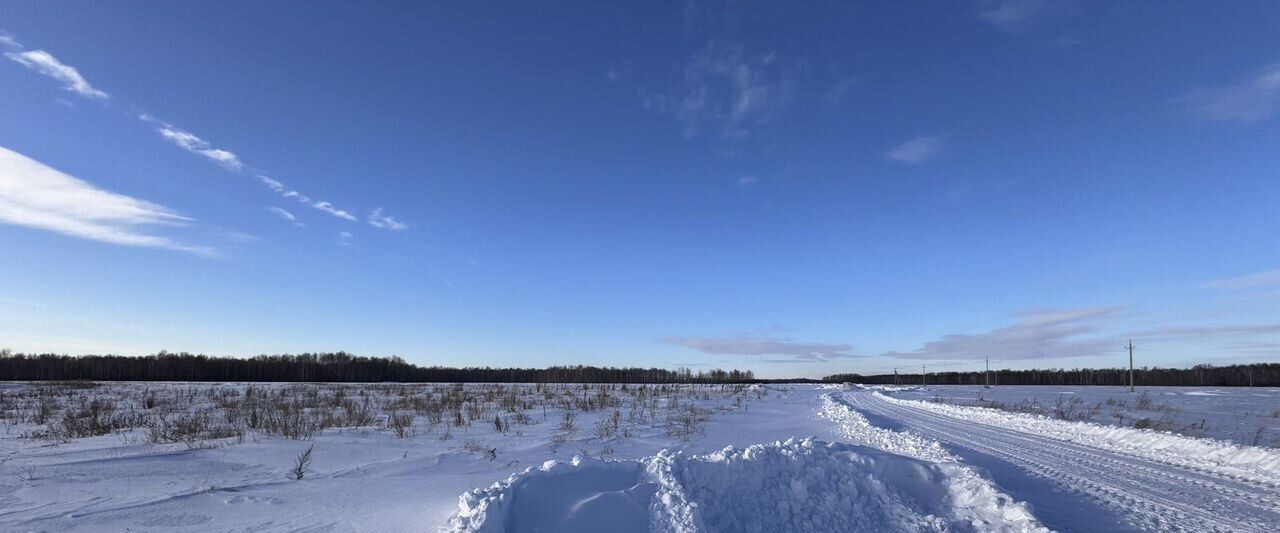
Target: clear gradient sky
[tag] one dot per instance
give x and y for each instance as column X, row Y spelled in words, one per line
column 796, row 189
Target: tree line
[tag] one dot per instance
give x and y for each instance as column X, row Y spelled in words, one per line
column 1258, row 375
column 323, row 367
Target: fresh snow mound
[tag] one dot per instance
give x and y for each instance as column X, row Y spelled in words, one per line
column 797, row 485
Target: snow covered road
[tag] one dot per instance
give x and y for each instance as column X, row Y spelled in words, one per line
column 1091, row 484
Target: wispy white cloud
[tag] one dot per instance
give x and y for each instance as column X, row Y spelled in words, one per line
column 271, row 184
column 766, row 344
column 44, row 63
column 190, row 142
column 345, row 238
column 21, row 302
column 839, row 91
column 38, row 196
column 1035, row 335
column 1269, row 278
column 329, row 208
column 747, row 181
column 48, row 65
column 286, row 216
column 379, row 220
column 615, row 73
column 282, row 213
column 916, row 151
column 1012, row 15
column 726, row 90
column 1080, row 333
column 1252, row 99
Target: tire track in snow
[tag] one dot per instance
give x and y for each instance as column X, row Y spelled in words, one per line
column 1156, row 495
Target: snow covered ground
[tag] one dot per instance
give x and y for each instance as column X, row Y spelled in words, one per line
column 1243, row 415
column 1079, row 476
column 223, row 457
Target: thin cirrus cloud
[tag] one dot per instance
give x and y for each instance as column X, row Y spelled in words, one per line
column 726, row 90
column 44, row 63
column 35, row 195
column 1252, row 99
column 1079, row 333
column 764, row 344
column 1012, row 15
column 329, row 208
column 379, row 220
column 283, row 214
column 229, row 160
column 839, row 91
column 1035, row 335
column 916, row 151
column 1270, row 278
column 192, row 143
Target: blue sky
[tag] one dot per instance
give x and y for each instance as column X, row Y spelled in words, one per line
column 794, row 189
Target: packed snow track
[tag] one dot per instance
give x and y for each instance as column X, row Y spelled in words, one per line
column 1063, row 475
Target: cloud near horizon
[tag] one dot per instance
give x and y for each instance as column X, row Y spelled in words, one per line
column 35, row 195
column 1252, row 281
column 763, row 344
column 1077, row 333
column 1035, row 335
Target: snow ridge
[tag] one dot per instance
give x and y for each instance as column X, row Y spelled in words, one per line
column 799, row 485
column 975, row 499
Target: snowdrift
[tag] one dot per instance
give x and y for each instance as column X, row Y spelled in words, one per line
column 796, row 485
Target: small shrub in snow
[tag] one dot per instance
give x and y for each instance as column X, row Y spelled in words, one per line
column 1163, row 423
column 400, row 422
column 1143, row 402
column 567, row 422
column 607, row 427
column 302, row 465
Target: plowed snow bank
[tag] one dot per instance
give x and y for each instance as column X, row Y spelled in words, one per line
column 1250, row 463
column 797, row 485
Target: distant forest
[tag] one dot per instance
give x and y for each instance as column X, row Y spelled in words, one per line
column 1257, row 375
column 345, row 367
column 323, row 367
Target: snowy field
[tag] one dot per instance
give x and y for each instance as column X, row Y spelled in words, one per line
column 447, row 457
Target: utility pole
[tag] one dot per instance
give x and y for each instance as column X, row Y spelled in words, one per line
column 922, row 375
column 986, row 376
column 1130, row 347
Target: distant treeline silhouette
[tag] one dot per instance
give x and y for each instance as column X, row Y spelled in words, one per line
column 1258, row 375
column 323, row 367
